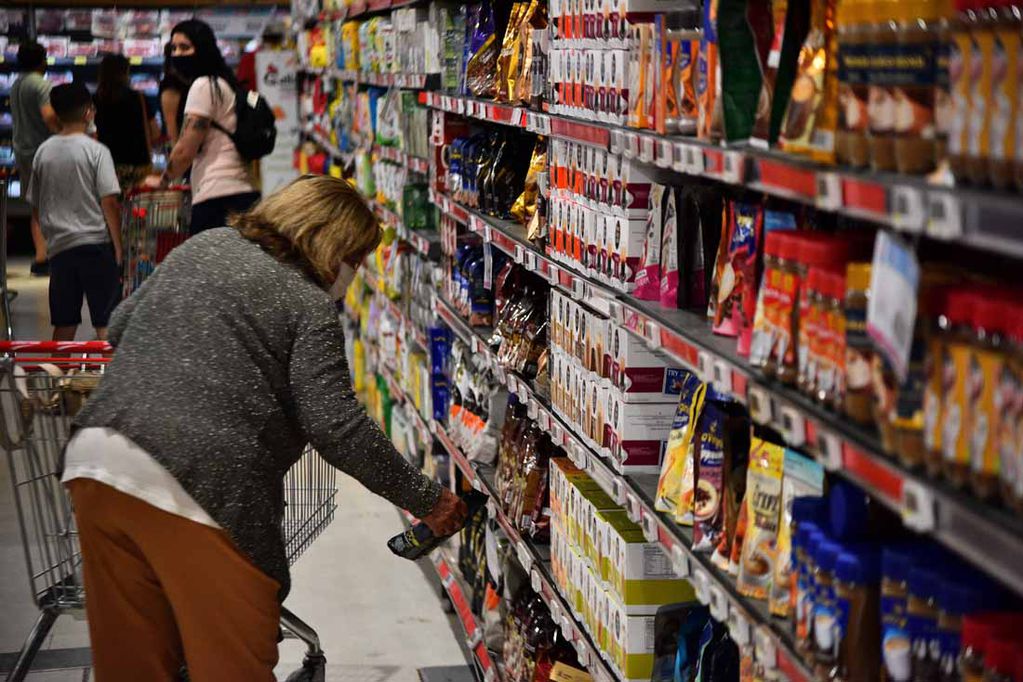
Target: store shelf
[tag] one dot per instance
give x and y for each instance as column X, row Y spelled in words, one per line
column 747, row 619
column 82, row 60
column 457, row 594
column 362, row 8
column 415, row 163
column 536, row 562
column 405, row 81
column 322, row 140
column 932, row 206
column 988, row 537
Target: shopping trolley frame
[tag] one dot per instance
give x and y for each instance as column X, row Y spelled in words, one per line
column 154, row 220
column 36, row 407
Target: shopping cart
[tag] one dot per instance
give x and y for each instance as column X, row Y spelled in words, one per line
column 153, row 222
column 6, row 295
column 42, row 386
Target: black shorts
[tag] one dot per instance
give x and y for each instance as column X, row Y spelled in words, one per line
column 88, row 271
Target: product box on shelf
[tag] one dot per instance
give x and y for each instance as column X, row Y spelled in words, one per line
column 630, row 642
column 636, row 434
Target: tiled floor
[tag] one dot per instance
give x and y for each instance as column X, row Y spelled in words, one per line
column 378, row 617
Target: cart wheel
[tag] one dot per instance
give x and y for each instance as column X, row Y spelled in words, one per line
column 314, row 669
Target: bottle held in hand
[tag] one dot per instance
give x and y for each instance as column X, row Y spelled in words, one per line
column 419, row 540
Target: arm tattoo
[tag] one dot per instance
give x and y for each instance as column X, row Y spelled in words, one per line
column 196, row 122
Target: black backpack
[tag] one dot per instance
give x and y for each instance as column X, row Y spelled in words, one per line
column 256, row 131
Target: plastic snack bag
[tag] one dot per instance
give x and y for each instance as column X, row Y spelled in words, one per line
column 763, row 506
column 721, row 430
column 673, row 469
column 648, row 279
column 737, row 281
column 803, row 477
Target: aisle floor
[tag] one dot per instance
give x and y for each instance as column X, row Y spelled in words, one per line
column 379, row 618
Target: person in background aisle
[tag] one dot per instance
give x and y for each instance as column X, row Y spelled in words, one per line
column 229, row 359
column 74, row 198
column 34, row 121
column 221, row 180
column 272, row 38
column 173, row 91
column 124, row 123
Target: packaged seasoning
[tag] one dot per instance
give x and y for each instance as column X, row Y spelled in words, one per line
column 987, row 363
column 812, row 114
column 913, row 84
column 1005, row 95
column 982, row 63
column 830, row 378
column 859, row 350
column 960, row 74
column 809, row 538
column 708, row 77
column 896, row 651
column 1010, row 436
column 763, row 502
column 525, row 205
column 670, row 237
column 853, row 22
column 782, row 283
column 802, row 478
column 824, row 615
column 682, row 117
column 922, row 619
column 736, row 466
column 955, row 390
column 765, row 318
column 674, row 468
column 944, row 108
column 721, row 440
column 735, row 292
column 857, row 653
column 648, row 278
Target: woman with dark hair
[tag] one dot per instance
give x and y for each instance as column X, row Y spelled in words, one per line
column 123, row 122
column 173, row 91
column 220, row 179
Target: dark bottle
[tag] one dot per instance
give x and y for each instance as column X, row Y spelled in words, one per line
column 419, row 540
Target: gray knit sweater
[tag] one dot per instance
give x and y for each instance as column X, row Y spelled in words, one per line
column 228, row 362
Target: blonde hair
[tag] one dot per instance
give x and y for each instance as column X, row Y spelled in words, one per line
column 315, row 222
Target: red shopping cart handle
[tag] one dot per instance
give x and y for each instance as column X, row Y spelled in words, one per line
column 55, row 347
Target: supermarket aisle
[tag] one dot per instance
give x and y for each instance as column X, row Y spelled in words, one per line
column 379, row 617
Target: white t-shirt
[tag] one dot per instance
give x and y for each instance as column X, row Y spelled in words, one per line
column 218, row 170
column 106, row 456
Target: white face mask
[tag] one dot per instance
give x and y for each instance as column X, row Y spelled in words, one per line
column 345, row 276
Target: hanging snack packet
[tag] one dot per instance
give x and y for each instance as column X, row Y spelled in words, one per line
column 708, row 74
column 744, row 39
column 648, row 278
column 763, row 500
column 739, row 537
column 737, row 283
column 525, row 206
column 722, row 426
column 673, row 467
column 508, row 58
column 735, row 472
column 669, row 249
column 803, row 477
column 481, row 67
column 667, row 63
column 701, row 212
column 812, row 114
column 683, row 82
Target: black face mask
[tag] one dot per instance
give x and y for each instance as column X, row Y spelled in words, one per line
column 186, row 65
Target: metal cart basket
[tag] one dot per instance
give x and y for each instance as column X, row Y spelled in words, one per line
column 153, row 222
column 42, row 386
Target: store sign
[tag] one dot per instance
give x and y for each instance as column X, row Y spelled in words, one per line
column 277, row 77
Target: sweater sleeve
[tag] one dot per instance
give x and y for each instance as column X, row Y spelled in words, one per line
column 339, row 428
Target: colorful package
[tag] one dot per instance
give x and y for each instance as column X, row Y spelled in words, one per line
column 802, row 477
column 736, row 277
column 763, row 506
column 722, row 436
column 744, row 39
column 700, row 216
column 648, row 279
column 671, row 483
column 670, row 274
column 708, row 74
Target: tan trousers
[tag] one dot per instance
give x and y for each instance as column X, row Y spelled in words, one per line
column 162, row 591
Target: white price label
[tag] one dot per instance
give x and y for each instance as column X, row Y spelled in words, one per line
column 646, row 148
column 552, row 274
column 705, row 366
column 679, row 561
column 530, row 261
column 618, row 491
column 765, row 648
column 535, row 581
column 474, row 344
column 701, row 586
column 793, row 426
column 829, row 191
column 733, row 167
column 473, row 638
column 525, row 558
column 665, row 158
column 582, row 652
column 520, row 254
column 739, row 628
column 694, row 161
column 652, row 334
column 829, row 450
column 544, row 420
column 615, row 142
column 557, row 434
column 718, row 602
column 907, row 208
column 568, row 627
column 477, row 483
column 678, row 158
column 944, row 216
column 650, row 527
column 555, row 607
column 630, row 145
column 759, row 405
column 919, row 508
column 723, row 376
column 578, row 288
column 633, row 508
column 532, row 409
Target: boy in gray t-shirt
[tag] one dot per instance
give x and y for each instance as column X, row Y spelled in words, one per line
column 74, row 196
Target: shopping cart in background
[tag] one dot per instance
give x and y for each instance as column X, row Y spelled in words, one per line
column 153, row 222
column 43, row 385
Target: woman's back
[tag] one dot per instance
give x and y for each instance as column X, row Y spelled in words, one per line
column 218, row 169
column 121, row 120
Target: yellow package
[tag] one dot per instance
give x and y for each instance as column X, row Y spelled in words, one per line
column 955, row 417
column 811, row 117
column 1004, row 103
column 671, row 482
column 525, row 205
column 986, row 368
column 509, row 49
column 763, row 507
